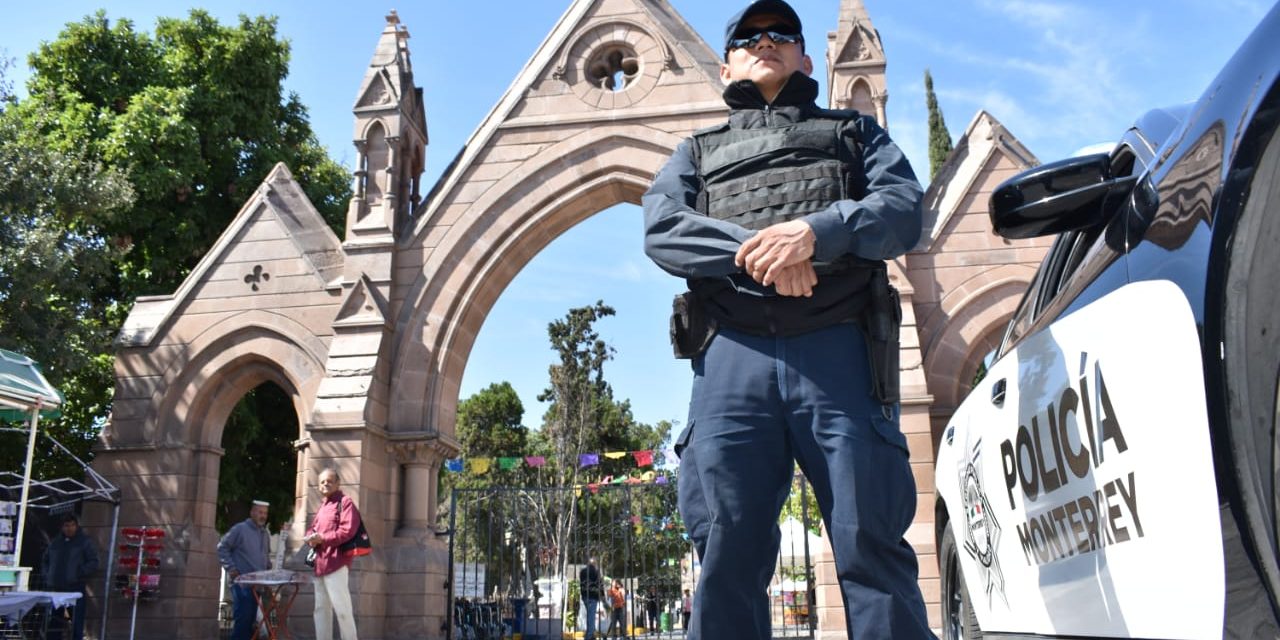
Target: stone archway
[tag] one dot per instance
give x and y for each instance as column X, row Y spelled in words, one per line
column 533, row 205
column 172, row 457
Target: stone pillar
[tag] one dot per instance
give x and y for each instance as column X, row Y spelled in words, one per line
column 391, row 201
column 827, row 600
column 420, row 465
column 418, row 555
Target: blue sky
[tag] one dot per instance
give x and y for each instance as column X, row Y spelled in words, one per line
column 1059, row 75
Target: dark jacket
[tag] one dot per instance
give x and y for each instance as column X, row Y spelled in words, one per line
column 882, row 223
column 68, row 562
column 590, row 583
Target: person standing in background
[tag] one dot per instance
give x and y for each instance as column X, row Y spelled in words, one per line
column 68, row 562
column 244, row 549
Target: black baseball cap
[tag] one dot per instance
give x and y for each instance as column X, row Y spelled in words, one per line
column 765, row 7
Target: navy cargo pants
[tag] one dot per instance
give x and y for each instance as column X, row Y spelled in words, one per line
column 758, row 404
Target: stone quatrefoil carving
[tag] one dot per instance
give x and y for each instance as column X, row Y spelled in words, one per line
column 614, row 68
column 256, row 277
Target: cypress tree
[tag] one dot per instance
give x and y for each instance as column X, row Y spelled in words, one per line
column 939, row 137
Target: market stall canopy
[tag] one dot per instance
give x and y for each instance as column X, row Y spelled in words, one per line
column 23, row 388
column 794, row 536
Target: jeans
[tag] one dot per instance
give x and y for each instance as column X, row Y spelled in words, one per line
column 592, row 606
column 244, row 611
column 334, row 598
column 617, row 619
column 760, row 404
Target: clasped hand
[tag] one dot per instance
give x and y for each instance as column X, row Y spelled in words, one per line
column 780, row 255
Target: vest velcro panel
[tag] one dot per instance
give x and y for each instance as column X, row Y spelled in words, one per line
column 759, row 177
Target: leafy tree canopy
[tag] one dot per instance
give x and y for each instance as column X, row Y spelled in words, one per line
column 195, row 116
column 127, row 159
column 55, row 262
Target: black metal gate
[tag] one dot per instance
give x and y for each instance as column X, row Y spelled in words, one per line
column 516, row 554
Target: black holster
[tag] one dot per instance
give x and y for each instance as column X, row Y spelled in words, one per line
column 881, row 321
column 691, row 328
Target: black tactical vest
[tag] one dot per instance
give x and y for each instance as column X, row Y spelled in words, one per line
column 759, row 177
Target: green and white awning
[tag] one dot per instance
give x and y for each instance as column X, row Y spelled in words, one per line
column 23, row 388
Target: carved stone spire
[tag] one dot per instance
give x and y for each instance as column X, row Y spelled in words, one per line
column 856, row 64
column 390, row 139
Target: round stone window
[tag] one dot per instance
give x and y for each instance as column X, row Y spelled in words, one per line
column 614, row 64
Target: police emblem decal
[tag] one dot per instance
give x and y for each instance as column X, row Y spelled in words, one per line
column 981, row 530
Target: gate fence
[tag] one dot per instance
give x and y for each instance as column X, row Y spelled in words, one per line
column 516, row 554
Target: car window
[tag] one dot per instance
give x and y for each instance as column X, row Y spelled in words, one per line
column 1062, row 263
column 1027, row 311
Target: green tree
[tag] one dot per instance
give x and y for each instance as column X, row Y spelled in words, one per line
column 130, row 155
column 56, row 265
column 522, row 525
column 488, row 426
column 939, row 137
column 195, row 116
column 489, row 422
column 257, row 447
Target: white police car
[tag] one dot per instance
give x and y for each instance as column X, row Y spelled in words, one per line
column 1114, row 473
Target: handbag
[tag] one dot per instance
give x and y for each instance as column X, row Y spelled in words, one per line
column 301, row 558
column 358, row 545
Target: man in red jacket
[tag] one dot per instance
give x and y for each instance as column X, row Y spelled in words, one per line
column 335, row 523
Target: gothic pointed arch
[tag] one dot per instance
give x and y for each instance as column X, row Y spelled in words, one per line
column 860, row 96
column 532, row 205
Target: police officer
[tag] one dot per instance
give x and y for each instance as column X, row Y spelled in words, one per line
column 781, row 220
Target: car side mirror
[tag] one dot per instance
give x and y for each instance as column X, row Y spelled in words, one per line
column 1076, row 193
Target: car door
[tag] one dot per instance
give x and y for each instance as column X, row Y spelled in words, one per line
column 1080, row 470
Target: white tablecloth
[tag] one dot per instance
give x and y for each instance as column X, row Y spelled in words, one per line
column 15, row 604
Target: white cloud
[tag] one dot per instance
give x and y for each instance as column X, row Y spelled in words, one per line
column 1060, row 75
column 1031, row 12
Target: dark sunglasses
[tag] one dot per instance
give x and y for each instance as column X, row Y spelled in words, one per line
column 778, row 33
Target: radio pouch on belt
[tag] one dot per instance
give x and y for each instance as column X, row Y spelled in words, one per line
column 691, row 328
column 882, row 321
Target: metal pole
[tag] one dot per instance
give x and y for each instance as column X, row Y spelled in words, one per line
column 450, row 574
column 111, row 570
column 26, row 485
column 137, row 582
column 808, row 562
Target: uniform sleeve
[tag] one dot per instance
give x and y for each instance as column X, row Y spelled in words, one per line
column 682, row 241
column 887, row 221
column 226, row 545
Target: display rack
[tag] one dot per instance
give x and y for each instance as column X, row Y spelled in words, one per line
column 138, row 578
column 8, row 531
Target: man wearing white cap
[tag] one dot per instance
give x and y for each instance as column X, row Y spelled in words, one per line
column 246, row 548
